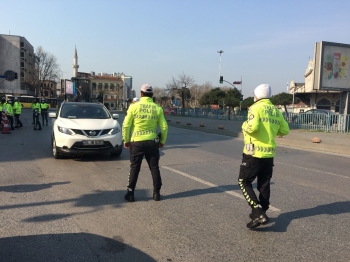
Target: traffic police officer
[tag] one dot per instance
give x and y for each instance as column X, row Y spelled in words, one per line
column 9, row 109
column 140, row 136
column 2, row 106
column 264, row 123
column 36, row 114
column 17, row 110
column 44, row 107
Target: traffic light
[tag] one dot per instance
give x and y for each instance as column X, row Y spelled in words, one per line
column 16, row 76
column 221, row 79
column 241, row 98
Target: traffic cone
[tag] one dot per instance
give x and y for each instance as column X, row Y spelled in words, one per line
column 5, row 124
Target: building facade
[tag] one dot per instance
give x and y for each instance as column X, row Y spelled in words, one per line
column 311, row 98
column 17, row 54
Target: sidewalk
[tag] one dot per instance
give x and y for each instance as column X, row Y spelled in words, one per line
column 338, row 143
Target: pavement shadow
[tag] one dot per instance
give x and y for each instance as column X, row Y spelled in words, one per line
column 202, row 191
column 95, row 201
column 29, row 187
column 281, row 223
column 69, row 247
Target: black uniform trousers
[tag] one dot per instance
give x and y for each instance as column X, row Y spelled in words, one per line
column 17, row 121
column 44, row 116
column 252, row 168
column 148, row 149
column 37, row 124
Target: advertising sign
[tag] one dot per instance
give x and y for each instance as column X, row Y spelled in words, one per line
column 334, row 66
column 69, row 87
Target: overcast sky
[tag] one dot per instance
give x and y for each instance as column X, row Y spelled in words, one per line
column 263, row 41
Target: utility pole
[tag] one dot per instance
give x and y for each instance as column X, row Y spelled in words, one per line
column 220, row 52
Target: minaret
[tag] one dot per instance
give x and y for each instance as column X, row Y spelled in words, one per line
column 75, row 63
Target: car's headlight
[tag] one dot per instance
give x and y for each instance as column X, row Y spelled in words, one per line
column 114, row 130
column 65, row 130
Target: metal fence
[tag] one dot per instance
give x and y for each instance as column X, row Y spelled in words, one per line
column 317, row 122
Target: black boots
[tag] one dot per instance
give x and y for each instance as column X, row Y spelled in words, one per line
column 156, row 195
column 130, row 195
column 258, row 217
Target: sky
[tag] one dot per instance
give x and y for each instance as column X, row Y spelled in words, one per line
column 263, row 42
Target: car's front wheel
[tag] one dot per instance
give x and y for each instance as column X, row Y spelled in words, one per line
column 55, row 154
column 117, row 153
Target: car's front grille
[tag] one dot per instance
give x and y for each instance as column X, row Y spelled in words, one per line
column 91, row 133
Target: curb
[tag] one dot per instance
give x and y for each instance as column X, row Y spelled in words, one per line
column 281, row 141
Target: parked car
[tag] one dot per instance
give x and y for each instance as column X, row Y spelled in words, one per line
column 318, row 117
column 85, row 128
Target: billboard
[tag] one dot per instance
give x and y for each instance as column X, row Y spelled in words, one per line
column 69, row 87
column 332, row 66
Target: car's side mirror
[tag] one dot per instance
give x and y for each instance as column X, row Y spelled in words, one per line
column 52, row 115
column 115, row 116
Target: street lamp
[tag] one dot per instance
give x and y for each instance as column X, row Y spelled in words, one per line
column 183, row 97
column 220, row 52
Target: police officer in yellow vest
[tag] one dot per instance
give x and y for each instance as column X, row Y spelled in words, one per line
column 36, row 113
column 2, row 106
column 44, row 107
column 140, row 136
column 17, row 110
column 264, row 123
column 9, row 109
column 32, row 107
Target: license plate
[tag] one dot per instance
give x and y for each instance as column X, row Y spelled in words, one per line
column 92, row 142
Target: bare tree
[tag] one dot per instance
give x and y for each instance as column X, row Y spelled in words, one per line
column 180, row 87
column 46, row 67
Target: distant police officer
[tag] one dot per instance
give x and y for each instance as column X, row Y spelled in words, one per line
column 264, row 123
column 44, row 107
column 36, row 113
column 9, row 109
column 17, row 110
column 2, row 106
column 140, row 136
column 32, row 104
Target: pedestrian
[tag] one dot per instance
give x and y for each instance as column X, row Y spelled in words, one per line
column 140, row 136
column 17, row 110
column 44, row 107
column 264, row 123
column 36, row 114
column 9, row 110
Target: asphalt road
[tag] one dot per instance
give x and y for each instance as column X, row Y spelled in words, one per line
column 73, row 209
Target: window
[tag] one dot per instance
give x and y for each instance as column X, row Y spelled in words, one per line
column 111, row 86
column 112, row 97
column 99, row 86
column 94, row 86
column 324, row 104
column 106, row 86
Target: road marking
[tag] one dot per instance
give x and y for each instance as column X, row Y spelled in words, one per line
column 314, row 170
column 222, row 189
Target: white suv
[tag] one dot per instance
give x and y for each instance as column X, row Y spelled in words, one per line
column 85, row 128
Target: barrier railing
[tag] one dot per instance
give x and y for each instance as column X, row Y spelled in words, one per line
column 317, row 122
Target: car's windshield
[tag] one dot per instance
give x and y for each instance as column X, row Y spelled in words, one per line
column 84, row 111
